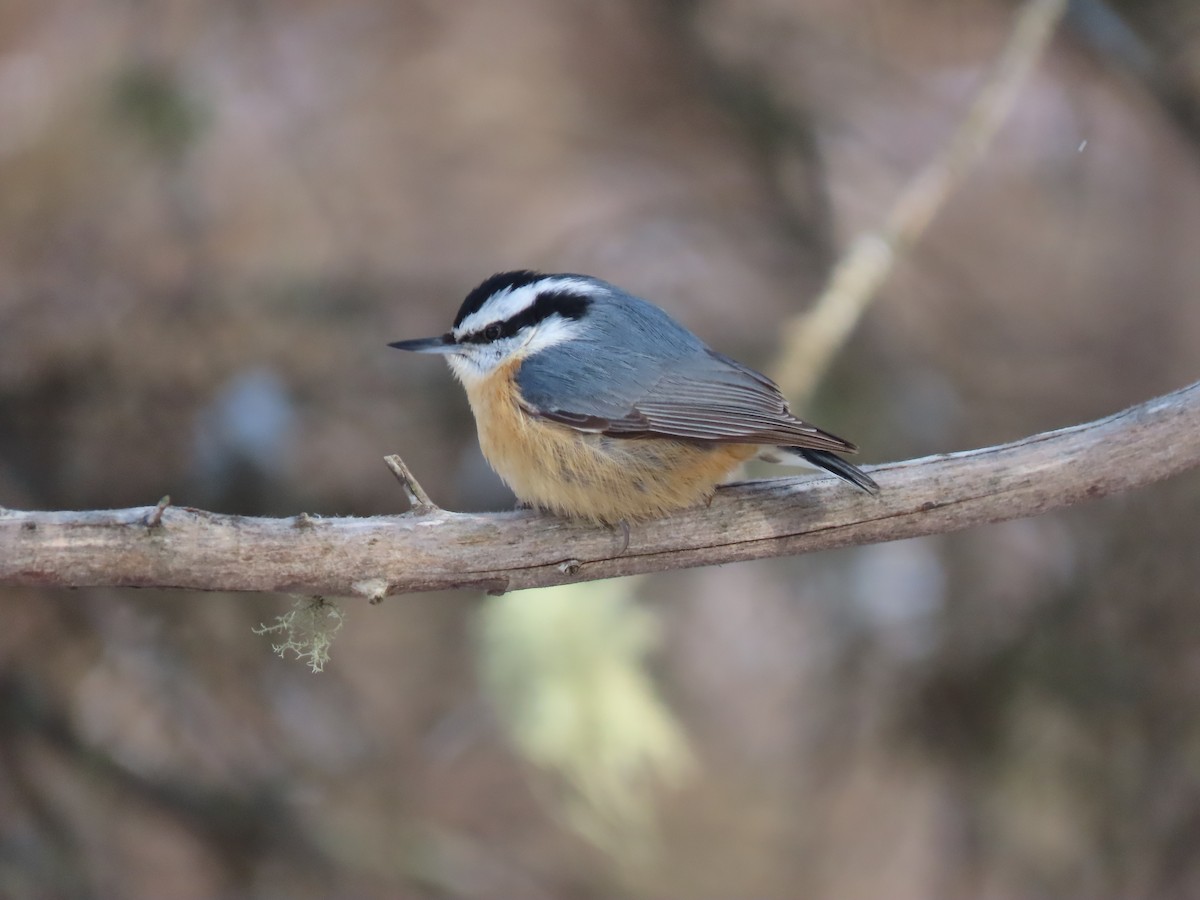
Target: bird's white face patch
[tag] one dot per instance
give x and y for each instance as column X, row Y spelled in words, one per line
column 471, row 363
column 553, row 329
column 474, row 360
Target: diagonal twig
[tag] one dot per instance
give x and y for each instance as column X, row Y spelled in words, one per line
column 417, row 498
column 813, row 338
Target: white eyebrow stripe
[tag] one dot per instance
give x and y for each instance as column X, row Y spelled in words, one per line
column 504, row 306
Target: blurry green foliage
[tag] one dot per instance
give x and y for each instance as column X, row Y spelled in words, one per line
column 153, row 101
column 564, row 669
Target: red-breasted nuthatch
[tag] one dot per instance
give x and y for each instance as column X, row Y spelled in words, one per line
column 595, row 404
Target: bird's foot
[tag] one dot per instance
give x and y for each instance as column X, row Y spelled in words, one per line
column 624, row 526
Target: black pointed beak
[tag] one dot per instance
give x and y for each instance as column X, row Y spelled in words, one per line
column 443, row 344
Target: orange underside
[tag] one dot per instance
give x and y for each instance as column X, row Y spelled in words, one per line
column 591, row 476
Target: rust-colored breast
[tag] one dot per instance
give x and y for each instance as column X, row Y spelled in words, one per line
column 592, row 476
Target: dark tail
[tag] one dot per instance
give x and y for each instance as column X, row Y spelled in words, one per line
column 839, row 467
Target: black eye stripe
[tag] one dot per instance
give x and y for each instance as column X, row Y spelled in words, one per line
column 565, row 303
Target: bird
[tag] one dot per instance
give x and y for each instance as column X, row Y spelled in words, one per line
column 594, row 404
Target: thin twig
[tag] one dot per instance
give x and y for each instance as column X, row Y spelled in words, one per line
column 417, row 498
column 813, row 338
column 154, row 518
column 385, row 555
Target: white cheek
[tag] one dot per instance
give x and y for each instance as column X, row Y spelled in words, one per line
column 471, row 363
column 473, row 366
column 462, row 369
column 551, row 331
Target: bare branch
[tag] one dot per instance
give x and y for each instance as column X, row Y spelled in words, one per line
column 813, row 338
column 380, row 556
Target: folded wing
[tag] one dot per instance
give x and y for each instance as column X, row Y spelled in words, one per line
column 692, row 393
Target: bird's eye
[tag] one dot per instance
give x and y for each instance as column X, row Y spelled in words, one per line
column 492, row 332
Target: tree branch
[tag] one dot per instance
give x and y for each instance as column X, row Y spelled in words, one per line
column 174, row 547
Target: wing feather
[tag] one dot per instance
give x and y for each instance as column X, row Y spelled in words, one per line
column 699, row 395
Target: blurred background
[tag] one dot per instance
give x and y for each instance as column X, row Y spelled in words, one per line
column 213, row 215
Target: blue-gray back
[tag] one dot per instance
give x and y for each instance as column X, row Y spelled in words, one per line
column 627, row 345
column 635, row 371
